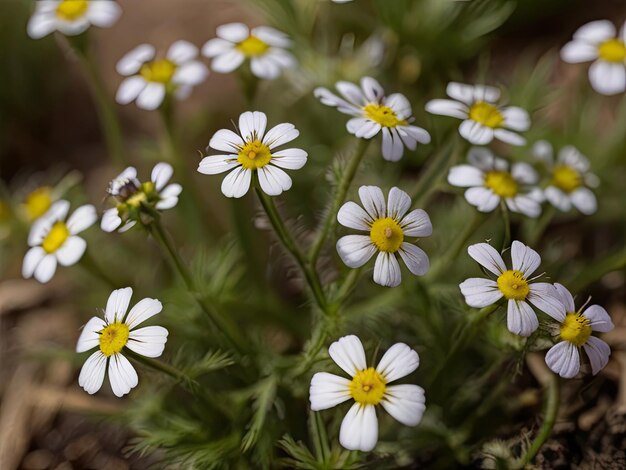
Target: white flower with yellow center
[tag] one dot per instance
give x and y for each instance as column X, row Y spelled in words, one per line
column 490, row 180
column 373, row 113
column 388, row 225
column 151, row 78
column 598, row 41
column 263, row 46
column 368, row 388
column 114, row 333
column 71, row 17
column 574, row 332
column 131, row 196
column 570, row 178
column 38, row 202
column 253, row 150
column 54, row 240
column 483, row 118
column 515, row 285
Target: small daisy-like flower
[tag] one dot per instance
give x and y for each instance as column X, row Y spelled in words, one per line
column 490, row 180
column 37, row 202
column 483, row 118
column 114, row 333
column 130, row 196
column 151, row 78
column 54, row 240
column 254, row 150
column 388, row 226
column 265, row 47
column 71, row 17
column 570, row 178
column 368, row 388
column 514, row 285
column 575, row 332
column 373, row 113
column 598, row 41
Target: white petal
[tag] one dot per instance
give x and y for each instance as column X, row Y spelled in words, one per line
column 599, row 319
column 558, row 198
column 598, row 352
column 144, row 309
column 273, row 180
column 571, row 156
column 117, row 304
column 161, row 174
column 363, row 128
column 399, row 361
column 252, row 125
column 92, row 373
column 355, row 250
column 399, row 104
column 524, row 173
column 475, row 132
column 487, row 256
column 484, row 159
column 75, row 27
column 352, row 215
column 214, row 164
column 122, row 375
column 103, row 14
column 566, row 299
column 227, row 62
column 545, row 297
column 398, row 203
column 359, row 428
column 237, row 182
column 466, row 176
column 46, row 268
column 31, row 261
column 71, row 251
column 392, row 145
column 575, row 52
column 410, row 134
column 524, row 258
column 89, row 337
column 330, row 99
column 372, row 90
column 58, row 211
column 149, row 341
column 596, row 32
column 542, row 151
column 82, row 218
column 265, row 68
column 191, row 73
column 563, row 359
column 373, row 201
column 129, row 89
column 521, row 319
column 479, row 292
column 169, row 196
column 181, row 52
column 235, row 32
column 406, row 403
column 216, row 46
column 226, row 141
column 290, row 159
column 110, row 220
column 387, row 270
column 348, row 353
column 328, row 390
column 271, row 36
column 415, row 258
column 509, row 137
column 447, row 108
column 608, row 78
column 41, row 24
column 523, row 204
column 516, row 118
column 152, row 96
column 131, row 63
column 280, row 134
column 584, row 200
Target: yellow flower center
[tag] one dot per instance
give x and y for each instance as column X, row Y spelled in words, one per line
column 383, row 115
column 513, row 285
column 387, row 234
column 254, row 155
column 38, row 202
column 612, row 50
column 575, row 328
column 56, row 237
column 252, row 47
column 566, row 178
column 368, row 387
column 71, row 10
column 113, row 338
column 486, row 114
column 160, row 71
column 502, row 183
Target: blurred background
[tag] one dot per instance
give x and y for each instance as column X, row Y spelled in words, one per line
column 49, row 129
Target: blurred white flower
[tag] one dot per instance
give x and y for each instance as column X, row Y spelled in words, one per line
column 150, row 78
column 570, row 178
column 575, row 332
column 388, row 225
column 53, row 240
column 374, row 112
column 512, row 284
column 368, row 388
column 598, row 41
column 483, row 118
column 71, row 17
column 111, row 335
column 263, row 46
column 341, row 1
column 490, row 180
column 254, row 150
column 130, row 196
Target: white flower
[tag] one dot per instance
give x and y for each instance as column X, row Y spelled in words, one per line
column 374, row 112
column 150, row 78
column 263, row 46
column 483, row 119
column 254, row 150
column 131, row 196
column 490, row 180
column 388, row 225
column 512, row 284
column 575, row 332
column 597, row 41
column 111, row 335
column 369, row 387
column 53, row 240
column 570, row 178
column 71, row 17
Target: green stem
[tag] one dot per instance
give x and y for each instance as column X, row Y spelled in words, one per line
column 159, row 366
column 340, row 196
column 541, row 225
column 347, row 285
column 90, row 265
column 506, row 242
column 551, row 409
column 428, row 181
column 322, row 450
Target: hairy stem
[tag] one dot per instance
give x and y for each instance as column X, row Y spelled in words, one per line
column 90, row 265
